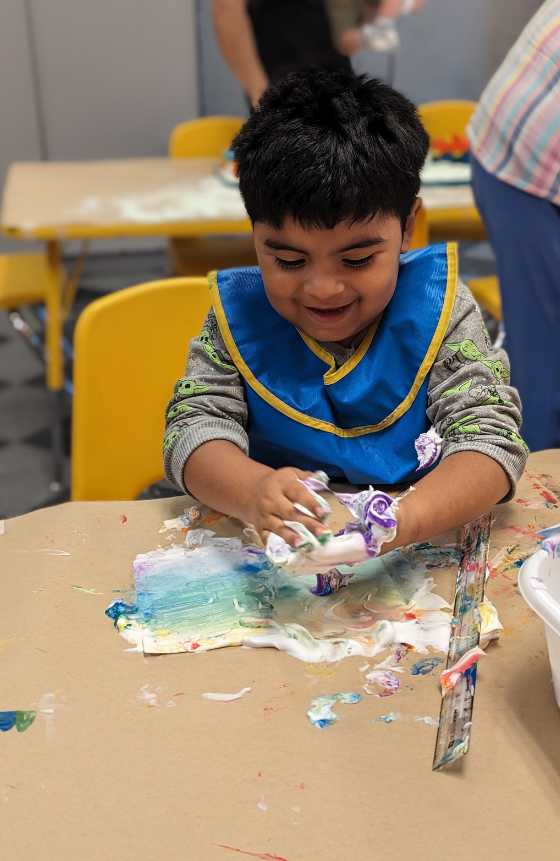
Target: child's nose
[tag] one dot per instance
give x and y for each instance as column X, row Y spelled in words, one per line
column 323, row 287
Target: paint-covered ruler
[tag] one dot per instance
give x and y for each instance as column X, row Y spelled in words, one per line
column 455, row 720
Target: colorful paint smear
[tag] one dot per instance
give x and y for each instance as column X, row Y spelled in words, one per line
column 425, row 667
column 547, row 491
column 20, row 720
column 214, row 592
column 387, row 681
column 391, row 717
column 321, row 713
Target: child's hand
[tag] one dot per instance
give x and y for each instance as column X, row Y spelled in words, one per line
column 276, row 494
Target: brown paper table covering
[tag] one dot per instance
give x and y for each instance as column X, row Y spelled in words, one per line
column 110, row 777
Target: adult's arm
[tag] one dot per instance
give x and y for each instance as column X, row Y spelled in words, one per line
column 237, row 42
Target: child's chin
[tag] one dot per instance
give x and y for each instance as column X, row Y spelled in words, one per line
column 329, row 333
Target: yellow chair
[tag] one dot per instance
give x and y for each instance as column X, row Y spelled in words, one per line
column 207, row 137
column 27, row 279
column 23, row 280
column 486, row 291
column 446, row 123
column 129, row 347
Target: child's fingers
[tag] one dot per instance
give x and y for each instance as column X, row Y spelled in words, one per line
column 298, row 494
column 274, row 524
column 284, row 509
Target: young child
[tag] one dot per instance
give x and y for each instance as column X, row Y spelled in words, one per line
column 340, row 350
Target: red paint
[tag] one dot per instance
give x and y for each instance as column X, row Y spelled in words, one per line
column 410, row 616
column 124, row 519
column 301, row 786
column 194, row 646
column 264, row 856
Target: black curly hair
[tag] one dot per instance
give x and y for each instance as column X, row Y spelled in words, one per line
column 327, row 146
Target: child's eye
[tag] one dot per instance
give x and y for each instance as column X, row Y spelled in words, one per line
column 356, row 264
column 289, row 264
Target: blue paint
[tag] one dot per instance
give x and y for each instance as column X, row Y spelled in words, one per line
column 321, row 713
column 120, row 608
column 425, row 667
column 7, row 721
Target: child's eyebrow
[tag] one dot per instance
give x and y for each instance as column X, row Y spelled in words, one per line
column 282, row 246
column 277, row 245
column 362, row 243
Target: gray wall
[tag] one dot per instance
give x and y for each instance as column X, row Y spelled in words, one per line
column 448, row 51
column 19, row 135
column 115, row 75
column 94, row 78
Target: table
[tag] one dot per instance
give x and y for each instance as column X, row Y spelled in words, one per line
column 108, row 776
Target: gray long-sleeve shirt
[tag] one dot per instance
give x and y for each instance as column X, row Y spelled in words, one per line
column 470, row 403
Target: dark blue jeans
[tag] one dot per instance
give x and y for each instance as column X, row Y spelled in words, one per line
column 524, row 232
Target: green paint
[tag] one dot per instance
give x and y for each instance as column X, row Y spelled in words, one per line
column 24, row 719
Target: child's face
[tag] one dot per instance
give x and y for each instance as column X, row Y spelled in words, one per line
column 331, row 284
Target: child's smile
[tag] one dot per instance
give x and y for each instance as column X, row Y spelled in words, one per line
column 331, row 283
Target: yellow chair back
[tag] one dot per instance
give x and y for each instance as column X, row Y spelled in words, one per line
column 446, row 120
column 204, row 137
column 130, row 347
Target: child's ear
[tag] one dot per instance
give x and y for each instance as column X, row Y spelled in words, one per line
column 410, row 224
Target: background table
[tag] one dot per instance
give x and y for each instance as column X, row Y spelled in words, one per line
column 58, row 201
column 109, row 776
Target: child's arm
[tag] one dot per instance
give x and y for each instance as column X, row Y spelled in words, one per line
column 461, row 488
column 206, row 445
column 471, row 404
column 221, row 476
column 478, row 414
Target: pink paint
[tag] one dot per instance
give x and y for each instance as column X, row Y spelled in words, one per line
column 264, row 856
column 451, row 676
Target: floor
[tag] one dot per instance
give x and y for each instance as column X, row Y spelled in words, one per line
column 25, row 405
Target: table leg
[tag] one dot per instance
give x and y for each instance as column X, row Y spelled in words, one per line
column 59, row 490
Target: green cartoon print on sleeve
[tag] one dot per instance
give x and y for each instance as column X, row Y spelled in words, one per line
column 480, row 394
column 170, row 437
column 212, row 353
column 465, row 425
column 514, row 437
column 467, row 351
column 178, row 410
column 488, row 396
column 457, row 390
column 186, row 388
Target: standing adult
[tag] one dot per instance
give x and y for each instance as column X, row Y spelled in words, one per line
column 515, row 145
column 263, row 40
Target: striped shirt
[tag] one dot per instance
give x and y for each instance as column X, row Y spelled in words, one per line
column 515, row 130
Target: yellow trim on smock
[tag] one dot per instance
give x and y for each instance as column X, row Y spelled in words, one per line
column 319, row 424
